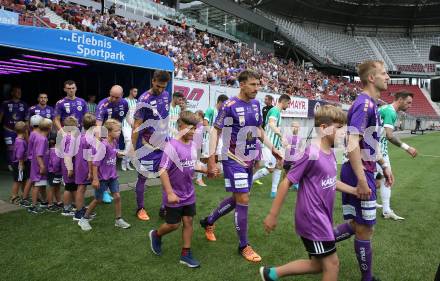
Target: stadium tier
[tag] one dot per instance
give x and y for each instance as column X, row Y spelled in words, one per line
column 399, row 53
column 420, row 107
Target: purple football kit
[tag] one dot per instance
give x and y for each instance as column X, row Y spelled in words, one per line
column 362, row 119
column 239, row 121
column 20, row 150
column 76, row 107
column 179, row 160
column 20, row 153
column 153, row 110
column 316, row 172
column 107, row 174
column 82, row 157
column 12, row 113
column 68, row 146
column 45, row 112
column 291, row 152
column 40, row 149
column 31, row 144
column 116, row 110
column 107, row 165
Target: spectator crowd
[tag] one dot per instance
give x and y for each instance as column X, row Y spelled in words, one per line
column 202, row 57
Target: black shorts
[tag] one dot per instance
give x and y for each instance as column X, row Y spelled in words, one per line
column 174, row 215
column 319, row 249
column 287, row 168
column 53, row 179
column 20, row 176
column 70, row 186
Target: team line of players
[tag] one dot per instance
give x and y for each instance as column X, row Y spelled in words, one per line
column 315, row 170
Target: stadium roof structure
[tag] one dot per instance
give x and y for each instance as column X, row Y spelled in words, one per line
column 402, row 13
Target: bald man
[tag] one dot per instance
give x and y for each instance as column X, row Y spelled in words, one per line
column 113, row 106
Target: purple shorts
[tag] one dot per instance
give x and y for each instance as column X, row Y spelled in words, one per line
column 148, row 165
column 362, row 211
column 237, row 178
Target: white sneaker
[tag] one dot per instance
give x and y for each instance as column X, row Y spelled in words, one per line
column 122, row 224
column 124, row 166
column 378, row 205
column 392, row 215
column 129, row 166
column 84, row 224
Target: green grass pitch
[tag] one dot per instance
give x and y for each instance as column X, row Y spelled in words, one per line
column 52, row 247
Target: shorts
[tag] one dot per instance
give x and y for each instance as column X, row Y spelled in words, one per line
column 361, row 211
column 319, row 249
column 53, row 179
column 173, row 215
column 71, row 186
column 40, row 183
column 238, row 179
column 20, row 176
column 149, row 164
column 111, row 184
column 287, row 167
column 269, row 160
column 9, row 137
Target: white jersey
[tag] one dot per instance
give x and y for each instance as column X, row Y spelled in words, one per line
column 131, row 109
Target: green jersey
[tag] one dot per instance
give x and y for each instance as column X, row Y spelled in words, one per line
column 388, row 118
column 210, row 115
column 275, row 114
column 172, row 123
column 91, row 107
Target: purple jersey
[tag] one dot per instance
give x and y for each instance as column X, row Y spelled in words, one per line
column 68, row 107
column 363, row 119
column 54, row 162
column 68, row 147
column 82, row 157
column 46, row 112
column 116, row 110
column 12, row 113
column 153, row 110
column 20, row 149
column 239, row 121
column 293, row 142
column 39, row 149
column 107, row 165
column 31, row 144
column 179, row 160
column 315, row 172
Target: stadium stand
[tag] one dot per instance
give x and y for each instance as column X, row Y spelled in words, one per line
column 405, row 54
column 420, row 107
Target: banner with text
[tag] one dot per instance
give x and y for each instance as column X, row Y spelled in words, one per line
column 200, row 96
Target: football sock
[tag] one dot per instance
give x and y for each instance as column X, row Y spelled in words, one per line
column 364, row 255
column 343, row 232
column 260, row 173
column 140, row 189
column 185, row 251
column 223, row 208
column 276, row 175
column 385, row 195
column 273, row 273
column 240, row 219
